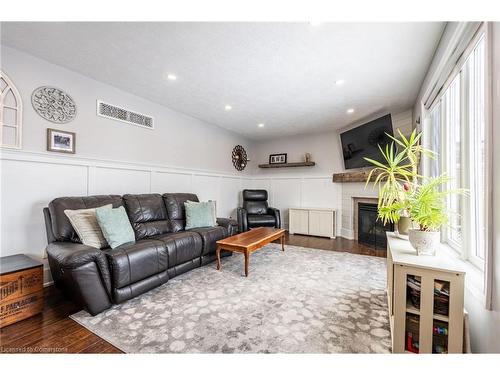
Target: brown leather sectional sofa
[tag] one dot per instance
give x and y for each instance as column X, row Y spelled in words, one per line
column 163, row 249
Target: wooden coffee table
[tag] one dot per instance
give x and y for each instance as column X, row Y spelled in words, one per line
column 248, row 242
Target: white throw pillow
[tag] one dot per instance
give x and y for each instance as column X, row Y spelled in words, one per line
column 85, row 223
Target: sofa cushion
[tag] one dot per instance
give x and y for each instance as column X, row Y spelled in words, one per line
column 61, row 226
column 115, row 225
column 261, row 220
column 174, row 203
column 209, row 237
column 200, row 214
column 181, row 246
column 86, row 227
column 147, row 213
column 136, row 261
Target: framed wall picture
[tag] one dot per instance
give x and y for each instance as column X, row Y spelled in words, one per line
column 277, row 159
column 60, row 141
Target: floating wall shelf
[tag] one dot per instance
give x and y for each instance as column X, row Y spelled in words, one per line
column 288, row 165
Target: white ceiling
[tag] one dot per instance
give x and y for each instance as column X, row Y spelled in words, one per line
column 280, row 74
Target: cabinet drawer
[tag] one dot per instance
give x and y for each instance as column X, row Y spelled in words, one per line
column 17, row 284
column 17, row 309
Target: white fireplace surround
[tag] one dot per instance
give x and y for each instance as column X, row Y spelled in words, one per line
column 355, row 203
column 352, row 194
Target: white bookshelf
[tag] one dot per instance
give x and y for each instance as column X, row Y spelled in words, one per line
column 404, row 263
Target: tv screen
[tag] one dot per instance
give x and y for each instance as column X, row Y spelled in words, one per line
column 362, row 142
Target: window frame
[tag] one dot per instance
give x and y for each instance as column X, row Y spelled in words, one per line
column 466, row 251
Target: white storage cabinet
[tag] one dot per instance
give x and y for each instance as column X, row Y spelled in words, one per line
column 312, row 221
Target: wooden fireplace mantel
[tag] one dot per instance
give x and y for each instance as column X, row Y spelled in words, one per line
column 357, row 176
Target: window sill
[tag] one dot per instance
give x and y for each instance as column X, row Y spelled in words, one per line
column 474, row 277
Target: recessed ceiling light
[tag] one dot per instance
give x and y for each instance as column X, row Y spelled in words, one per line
column 339, row 82
column 172, row 77
column 350, row 110
column 261, row 125
column 228, row 107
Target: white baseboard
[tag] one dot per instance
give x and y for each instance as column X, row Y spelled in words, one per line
column 347, row 233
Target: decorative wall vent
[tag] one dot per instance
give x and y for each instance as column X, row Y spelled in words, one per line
column 11, row 111
column 124, row 115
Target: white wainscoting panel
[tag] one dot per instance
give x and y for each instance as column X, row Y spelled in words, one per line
column 120, row 181
column 320, row 192
column 163, row 182
column 206, row 187
column 286, row 193
column 229, row 196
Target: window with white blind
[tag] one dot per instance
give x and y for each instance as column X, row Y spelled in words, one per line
column 456, row 127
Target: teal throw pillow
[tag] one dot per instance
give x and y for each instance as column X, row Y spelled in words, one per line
column 115, row 225
column 200, row 214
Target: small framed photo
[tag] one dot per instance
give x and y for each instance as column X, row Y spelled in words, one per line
column 60, row 141
column 277, row 159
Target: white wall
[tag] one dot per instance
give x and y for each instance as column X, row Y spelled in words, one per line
column 313, row 186
column 181, row 154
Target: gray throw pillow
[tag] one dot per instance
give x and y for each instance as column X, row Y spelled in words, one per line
column 85, row 224
column 200, row 214
column 115, row 226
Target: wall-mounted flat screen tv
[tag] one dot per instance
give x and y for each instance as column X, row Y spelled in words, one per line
column 363, row 141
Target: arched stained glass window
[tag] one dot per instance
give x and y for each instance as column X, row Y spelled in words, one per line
column 11, row 109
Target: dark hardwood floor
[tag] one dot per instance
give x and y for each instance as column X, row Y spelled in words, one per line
column 337, row 244
column 53, row 331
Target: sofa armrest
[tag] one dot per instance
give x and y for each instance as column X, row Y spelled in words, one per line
column 83, row 271
column 230, row 224
column 277, row 216
column 242, row 220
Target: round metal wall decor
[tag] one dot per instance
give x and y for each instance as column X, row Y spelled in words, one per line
column 53, row 104
column 240, row 159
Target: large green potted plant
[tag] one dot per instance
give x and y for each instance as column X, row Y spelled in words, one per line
column 404, row 193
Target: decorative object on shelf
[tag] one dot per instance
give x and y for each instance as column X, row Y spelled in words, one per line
column 425, row 242
column 53, row 104
column 405, row 193
column 239, row 157
column 277, row 158
column 403, row 226
column 307, row 157
column 61, row 141
column 11, row 112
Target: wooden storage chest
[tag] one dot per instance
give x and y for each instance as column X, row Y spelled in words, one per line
column 21, row 288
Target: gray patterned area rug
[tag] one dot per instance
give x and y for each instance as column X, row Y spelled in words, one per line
column 298, row 301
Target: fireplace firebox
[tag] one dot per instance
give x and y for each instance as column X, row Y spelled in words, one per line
column 371, row 230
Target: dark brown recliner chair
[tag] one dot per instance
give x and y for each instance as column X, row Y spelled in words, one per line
column 256, row 211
